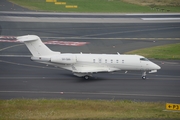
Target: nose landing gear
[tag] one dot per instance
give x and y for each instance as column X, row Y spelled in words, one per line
column 144, row 75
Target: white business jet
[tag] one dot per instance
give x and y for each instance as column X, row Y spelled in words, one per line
column 84, row 65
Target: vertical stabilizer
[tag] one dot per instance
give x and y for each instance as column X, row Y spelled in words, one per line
column 36, row 46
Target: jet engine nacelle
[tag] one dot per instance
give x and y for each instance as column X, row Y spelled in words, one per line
column 64, row 59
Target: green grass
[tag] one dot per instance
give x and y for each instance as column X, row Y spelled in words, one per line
column 171, row 52
column 154, row 2
column 108, row 6
column 83, row 110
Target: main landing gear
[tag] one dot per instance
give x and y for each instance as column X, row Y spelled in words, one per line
column 86, row 77
column 83, row 75
column 144, row 75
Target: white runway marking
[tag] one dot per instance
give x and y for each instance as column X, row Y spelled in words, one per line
column 16, row 56
column 91, row 93
column 163, row 77
column 80, row 20
column 10, row 47
column 150, row 14
column 108, row 14
column 29, row 65
column 117, row 38
column 131, row 31
column 160, row 18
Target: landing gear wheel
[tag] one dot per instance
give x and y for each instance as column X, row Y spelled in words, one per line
column 86, row 77
column 144, row 77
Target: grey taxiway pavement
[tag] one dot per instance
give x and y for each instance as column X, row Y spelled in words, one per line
column 22, row 78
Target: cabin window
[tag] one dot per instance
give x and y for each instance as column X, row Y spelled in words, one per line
column 100, row 60
column 105, row 60
column 111, row 61
column 117, row 61
column 94, row 60
column 122, row 61
column 144, row 59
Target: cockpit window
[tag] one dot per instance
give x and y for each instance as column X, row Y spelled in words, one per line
column 144, row 59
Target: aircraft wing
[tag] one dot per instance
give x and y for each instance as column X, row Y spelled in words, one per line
column 93, row 69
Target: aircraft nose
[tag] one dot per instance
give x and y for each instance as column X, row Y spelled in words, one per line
column 157, row 67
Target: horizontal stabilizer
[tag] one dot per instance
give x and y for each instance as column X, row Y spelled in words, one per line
column 27, row 38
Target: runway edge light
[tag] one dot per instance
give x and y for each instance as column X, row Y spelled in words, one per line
column 172, row 106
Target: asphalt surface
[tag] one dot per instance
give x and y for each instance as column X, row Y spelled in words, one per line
column 22, row 78
column 87, row 15
column 8, row 6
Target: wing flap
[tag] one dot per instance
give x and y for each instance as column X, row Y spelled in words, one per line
column 93, row 69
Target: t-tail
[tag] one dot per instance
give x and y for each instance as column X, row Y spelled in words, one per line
column 36, row 46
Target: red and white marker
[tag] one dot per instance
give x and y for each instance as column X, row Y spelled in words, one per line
column 67, row 43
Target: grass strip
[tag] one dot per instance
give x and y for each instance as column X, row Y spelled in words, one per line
column 154, row 2
column 108, row 6
column 18, row 109
column 166, row 52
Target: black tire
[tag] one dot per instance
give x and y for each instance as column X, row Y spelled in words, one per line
column 86, row 77
column 144, row 77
